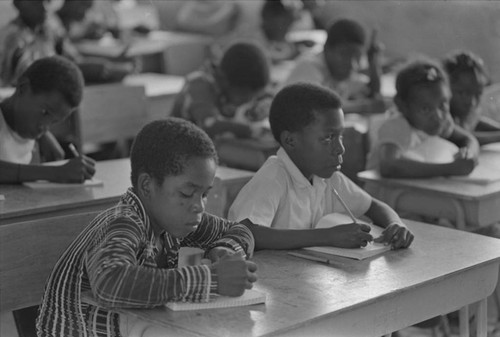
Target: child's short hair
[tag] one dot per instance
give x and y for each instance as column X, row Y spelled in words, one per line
column 294, row 106
column 56, row 73
column 464, row 61
column 418, row 73
column 345, row 31
column 163, row 147
column 274, row 8
column 245, row 66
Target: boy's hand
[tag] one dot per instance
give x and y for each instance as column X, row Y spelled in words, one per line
column 462, row 166
column 217, row 253
column 76, row 170
column 234, row 275
column 396, row 235
column 352, row 235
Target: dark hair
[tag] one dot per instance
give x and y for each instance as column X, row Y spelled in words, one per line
column 273, row 8
column 464, row 61
column 345, row 31
column 418, row 73
column 245, row 65
column 56, row 73
column 163, row 147
column 294, row 106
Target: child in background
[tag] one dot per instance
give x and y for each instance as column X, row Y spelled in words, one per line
column 338, row 66
column 295, row 189
column 230, row 97
column 127, row 256
column 47, row 93
column 404, row 146
column 468, row 78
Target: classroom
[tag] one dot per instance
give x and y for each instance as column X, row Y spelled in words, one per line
column 250, row 168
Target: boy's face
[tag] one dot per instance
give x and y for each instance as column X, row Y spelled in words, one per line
column 343, row 59
column 178, row 204
column 33, row 12
column 318, row 147
column 466, row 89
column 427, row 108
column 36, row 113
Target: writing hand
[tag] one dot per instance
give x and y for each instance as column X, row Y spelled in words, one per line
column 217, row 253
column 352, row 235
column 234, row 275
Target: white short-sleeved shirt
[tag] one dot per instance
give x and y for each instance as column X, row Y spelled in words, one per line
column 14, row 148
column 279, row 196
column 413, row 143
column 312, row 68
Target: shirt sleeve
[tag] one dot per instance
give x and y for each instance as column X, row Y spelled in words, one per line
column 395, row 131
column 358, row 200
column 257, row 201
column 117, row 280
column 217, row 232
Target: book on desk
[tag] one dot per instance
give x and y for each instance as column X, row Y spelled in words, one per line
column 325, row 253
column 249, row 297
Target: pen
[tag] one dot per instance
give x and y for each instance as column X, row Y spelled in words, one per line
column 73, row 150
column 344, row 205
column 310, row 257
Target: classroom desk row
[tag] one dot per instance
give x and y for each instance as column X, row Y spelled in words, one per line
column 466, row 203
column 373, row 297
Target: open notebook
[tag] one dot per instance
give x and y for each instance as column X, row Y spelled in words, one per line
column 325, row 253
column 249, row 297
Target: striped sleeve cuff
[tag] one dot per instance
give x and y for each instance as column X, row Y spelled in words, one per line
column 198, row 281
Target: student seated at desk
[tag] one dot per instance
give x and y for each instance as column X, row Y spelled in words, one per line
column 468, row 78
column 409, row 143
column 337, row 66
column 47, row 93
column 295, row 189
column 127, row 256
column 230, row 99
column 36, row 33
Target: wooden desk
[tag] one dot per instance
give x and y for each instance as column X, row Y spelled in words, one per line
column 160, row 90
column 437, row 275
column 22, row 203
column 467, row 204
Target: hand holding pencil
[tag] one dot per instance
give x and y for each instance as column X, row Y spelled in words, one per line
column 76, row 170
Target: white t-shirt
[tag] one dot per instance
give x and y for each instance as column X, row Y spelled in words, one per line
column 279, row 196
column 14, row 148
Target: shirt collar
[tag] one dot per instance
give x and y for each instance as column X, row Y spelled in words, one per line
column 295, row 173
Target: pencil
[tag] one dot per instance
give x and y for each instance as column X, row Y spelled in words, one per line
column 73, row 150
column 309, row 257
column 344, row 205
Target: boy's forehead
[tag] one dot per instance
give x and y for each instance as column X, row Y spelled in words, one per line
column 329, row 118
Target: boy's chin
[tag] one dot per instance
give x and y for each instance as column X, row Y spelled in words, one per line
column 328, row 173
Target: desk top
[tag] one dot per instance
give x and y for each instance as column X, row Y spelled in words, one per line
column 460, row 189
column 115, row 174
column 301, row 292
column 156, row 84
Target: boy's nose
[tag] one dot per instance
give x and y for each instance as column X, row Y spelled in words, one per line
column 198, row 206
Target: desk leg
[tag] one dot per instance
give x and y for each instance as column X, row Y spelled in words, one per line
column 464, row 321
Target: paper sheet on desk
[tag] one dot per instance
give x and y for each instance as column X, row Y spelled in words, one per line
column 43, row 184
column 335, row 219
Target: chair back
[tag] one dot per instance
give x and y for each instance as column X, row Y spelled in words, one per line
column 28, row 252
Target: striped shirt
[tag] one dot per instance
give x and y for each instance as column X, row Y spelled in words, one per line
column 120, row 259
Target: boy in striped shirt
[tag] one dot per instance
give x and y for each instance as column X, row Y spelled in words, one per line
column 127, row 256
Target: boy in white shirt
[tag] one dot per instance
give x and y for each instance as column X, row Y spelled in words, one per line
column 294, row 189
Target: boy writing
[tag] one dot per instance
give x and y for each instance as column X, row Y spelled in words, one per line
column 405, row 143
column 47, row 93
column 295, row 189
column 127, row 256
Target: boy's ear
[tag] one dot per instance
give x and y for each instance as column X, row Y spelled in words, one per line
column 288, row 140
column 144, row 184
column 23, row 85
column 400, row 104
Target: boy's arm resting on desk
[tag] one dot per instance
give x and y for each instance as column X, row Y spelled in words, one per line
column 214, row 232
column 75, row 170
column 395, row 233
column 345, row 236
column 393, row 164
